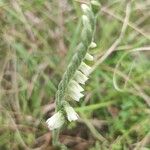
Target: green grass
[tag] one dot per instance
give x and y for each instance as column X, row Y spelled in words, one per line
column 37, row 40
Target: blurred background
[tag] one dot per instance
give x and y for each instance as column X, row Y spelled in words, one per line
column 38, row 39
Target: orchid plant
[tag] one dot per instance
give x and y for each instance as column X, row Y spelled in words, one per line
column 77, row 72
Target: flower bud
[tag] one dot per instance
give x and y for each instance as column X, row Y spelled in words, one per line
column 89, row 57
column 93, row 45
column 88, row 12
column 86, row 9
column 86, row 22
column 86, row 36
column 95, row 6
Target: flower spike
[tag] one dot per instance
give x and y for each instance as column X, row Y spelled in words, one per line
column 76, row 73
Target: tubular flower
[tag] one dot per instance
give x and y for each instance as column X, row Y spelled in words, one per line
column 85, row 68
column 75, row 86
column 56, row 121
column 93, row 45
column 89, row 57
column 75, row 94
column 80, row 77
column 71, row 114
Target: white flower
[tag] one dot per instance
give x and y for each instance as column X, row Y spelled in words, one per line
column 85, row 68
column 89, row 57
column 71, row 114
column 56, row 121
column 75, row 86
column 76, row 95
column 85, row 8
column 93, row 45
column 80, row 77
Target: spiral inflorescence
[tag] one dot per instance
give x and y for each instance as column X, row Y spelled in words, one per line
column 89, row 21
column 76, row 73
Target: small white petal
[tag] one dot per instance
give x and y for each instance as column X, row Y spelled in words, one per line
column 85, row 8
column 71, row 114
column 56, row 121
column 75, row 86
column 80, row 77
column 75, row 95
column 93, row 45
column 89, row 57
column 85, row 68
